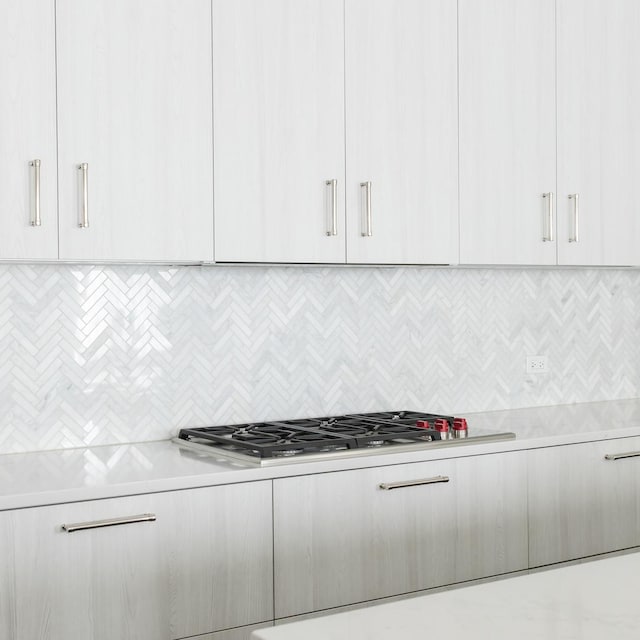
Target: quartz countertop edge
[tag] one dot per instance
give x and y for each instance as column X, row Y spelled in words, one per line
column 89, row 473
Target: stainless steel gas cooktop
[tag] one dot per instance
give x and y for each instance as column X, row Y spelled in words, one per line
column 303, row 440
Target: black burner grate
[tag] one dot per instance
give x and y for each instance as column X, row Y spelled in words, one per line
column 315, row 435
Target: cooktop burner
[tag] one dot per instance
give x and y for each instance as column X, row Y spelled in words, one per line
column 307, row 438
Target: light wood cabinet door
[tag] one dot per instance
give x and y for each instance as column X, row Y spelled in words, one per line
column 507, row 134
column 27, row 130
column 279, row 130
column 204, row 564
column 598, row 133
column 134, row 104
column 340, row 538
column 582, row 504
column 401, row 110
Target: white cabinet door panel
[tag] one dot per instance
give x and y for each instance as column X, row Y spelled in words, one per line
column 401, row 107
column 507, row 130
column 27, row 129
column 134, row 102
column 598, row 133
column 278, row 130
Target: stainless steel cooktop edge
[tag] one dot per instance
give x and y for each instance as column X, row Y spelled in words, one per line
column 344, row 453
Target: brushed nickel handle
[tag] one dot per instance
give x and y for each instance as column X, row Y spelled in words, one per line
column 576, row 212
column 620, row 456
column 84, row 218
column 333, row 229
column 35, row 211
column 111, row 522
column 388, row 486
column 549, row 198
column 367, row 232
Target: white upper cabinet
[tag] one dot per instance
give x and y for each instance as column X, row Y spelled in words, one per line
column 598, row 132
column 279, row 130
column 280, row 85
column 28, row 131
column 134, row 107
column 507, row 131
column 401, row 109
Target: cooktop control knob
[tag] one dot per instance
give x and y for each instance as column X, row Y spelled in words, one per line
column 442, row 427
column 460, row 429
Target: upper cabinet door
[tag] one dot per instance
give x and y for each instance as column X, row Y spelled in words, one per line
column 28, row 131
column 279, row 130
column 598, row 132
column 134, row 102
column 507, row 131
column 401, row 106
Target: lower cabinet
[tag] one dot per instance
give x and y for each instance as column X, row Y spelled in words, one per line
column 204, row 564
column 352, row 536
column 584, row 500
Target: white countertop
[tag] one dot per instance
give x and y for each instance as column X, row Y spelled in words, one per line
column 52, row 477
column 592, row 601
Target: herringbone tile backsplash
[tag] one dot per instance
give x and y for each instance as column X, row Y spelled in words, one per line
column 99, row 354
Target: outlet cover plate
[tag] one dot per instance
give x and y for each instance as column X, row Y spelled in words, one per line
column 537, row 364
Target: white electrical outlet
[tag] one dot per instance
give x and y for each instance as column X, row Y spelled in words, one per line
column 537, row 364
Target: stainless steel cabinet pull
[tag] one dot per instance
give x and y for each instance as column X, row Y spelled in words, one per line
column 549, row 199
column 35, row 212
column 333, row 229
column 367, row 209
column 112, row 522
column 84, row 218
column 620, row 456
column 576, row 212
column 388, row 486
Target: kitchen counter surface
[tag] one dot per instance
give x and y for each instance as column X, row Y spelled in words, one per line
column 52, row 477
column 590, row 601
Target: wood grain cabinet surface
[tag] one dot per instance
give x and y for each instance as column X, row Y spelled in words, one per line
column 401, row 131
column 286, row 75
column 278, row 130
column 134, row 104
column 204, row 564
column 582, row 504
column 507, row 130
column 598, row 133
column 548, row 85
column 340, row 539
column 27, row 130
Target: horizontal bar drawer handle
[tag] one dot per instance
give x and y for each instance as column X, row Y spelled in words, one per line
column 112, row 522
column 387, row 486
column 620, row 456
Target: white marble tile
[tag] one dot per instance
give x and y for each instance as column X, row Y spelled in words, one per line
column 93, row 355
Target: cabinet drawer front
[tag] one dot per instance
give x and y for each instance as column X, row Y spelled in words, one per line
column 157, row 566
column 342, row 538
column 582, row 502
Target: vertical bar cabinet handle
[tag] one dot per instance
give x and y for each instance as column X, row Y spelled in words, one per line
column 576, row 213
column 84, row 218
column 333, row 229
column 367, row 209
column 549, row 199
column 35, row 211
